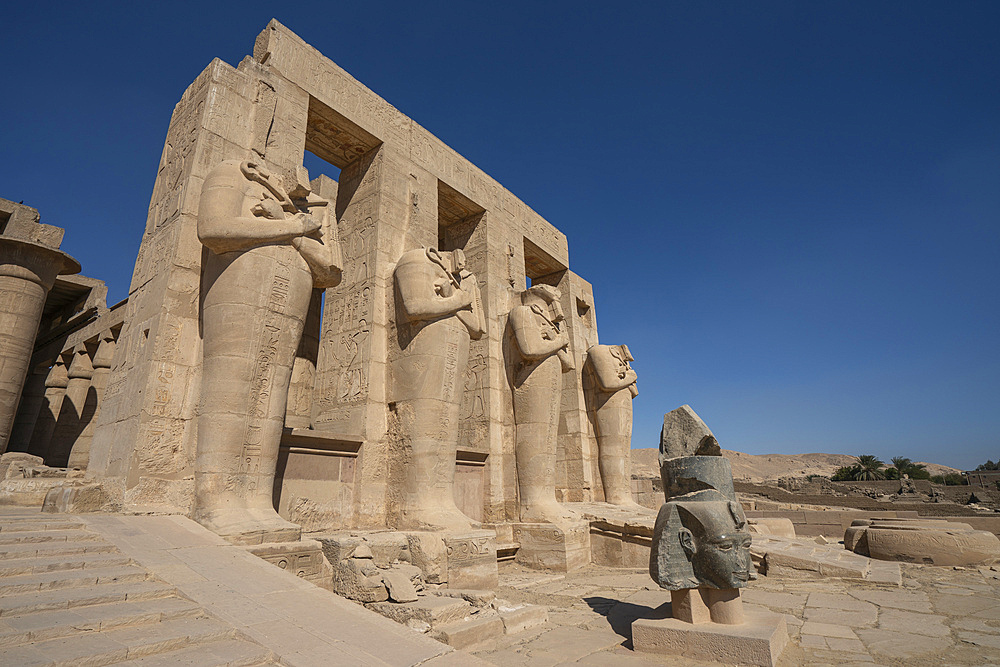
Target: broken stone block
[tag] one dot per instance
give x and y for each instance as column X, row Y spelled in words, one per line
column 399, row 585
column 685, row 434
column 388, row 548
column 474, row 597
column 426, row 612
column 428, row 552
column 471, row 632
column 12, row 464
column 521, row 617
column 338, row 547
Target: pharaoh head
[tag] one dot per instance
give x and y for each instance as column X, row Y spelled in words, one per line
column 714, row 538
column 700, row 540
column 546, row 296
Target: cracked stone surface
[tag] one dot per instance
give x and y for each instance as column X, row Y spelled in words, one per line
column 940, row 615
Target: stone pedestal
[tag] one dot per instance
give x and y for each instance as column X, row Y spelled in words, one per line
column 465, row 559
column 27, row 273
column 558, row 547
column 757, row 641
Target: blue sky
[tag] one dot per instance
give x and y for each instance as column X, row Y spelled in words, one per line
column 790, row 211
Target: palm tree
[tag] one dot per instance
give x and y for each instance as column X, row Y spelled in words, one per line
column 869, row 468
column 902, row 464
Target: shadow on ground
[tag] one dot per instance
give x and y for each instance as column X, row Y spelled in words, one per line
column 620, row 615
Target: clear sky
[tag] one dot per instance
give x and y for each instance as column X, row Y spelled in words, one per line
column 790, row 211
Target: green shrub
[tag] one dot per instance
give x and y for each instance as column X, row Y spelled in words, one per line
column 844, row 474
column 951, row 479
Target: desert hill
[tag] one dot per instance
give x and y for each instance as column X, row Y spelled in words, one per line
column 760, row 467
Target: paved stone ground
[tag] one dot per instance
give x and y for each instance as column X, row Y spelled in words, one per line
column 940, row 616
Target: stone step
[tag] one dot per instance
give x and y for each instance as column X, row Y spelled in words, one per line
column 39, row 626
column 36, row 524
column 45, row 581
column 10, row 567
column 485, row 627
column 30, row 536
column 105, row 648
column 46, row 549
column 218, row 653
column 70, row 598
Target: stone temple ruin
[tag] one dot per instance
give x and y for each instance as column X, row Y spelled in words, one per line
column 384, row 383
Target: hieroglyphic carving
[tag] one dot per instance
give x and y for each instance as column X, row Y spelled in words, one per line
column 178, row 152
column 263, row 374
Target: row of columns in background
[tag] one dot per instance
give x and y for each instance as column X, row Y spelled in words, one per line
column 59, row 409
column 28, row 270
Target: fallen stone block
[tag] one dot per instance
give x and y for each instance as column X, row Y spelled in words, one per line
column 471, row 632
column 520, row 618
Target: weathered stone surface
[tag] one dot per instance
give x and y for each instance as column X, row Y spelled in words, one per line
column 77, row 499
column 439, row 312
column 614, row 387
column 700, row 539
column 12, row 464
column 560, row 548
column 470, row 633
column 759, row 641
column 399, row 585
column 685, row 434
column 267, row 252
column 518, row 618
column 933, row 542
column 424, row 613
column 477, row 598
column 541, row 355
column 27, row 272
column 772, row 526
column 472, row 559
column 689, row 474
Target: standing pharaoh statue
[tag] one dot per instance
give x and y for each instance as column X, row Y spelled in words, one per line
column 542, row 355
column 269, row 249
column 613, row 386
column 440, row 310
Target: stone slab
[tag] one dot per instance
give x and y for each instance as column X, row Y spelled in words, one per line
column 759, row 641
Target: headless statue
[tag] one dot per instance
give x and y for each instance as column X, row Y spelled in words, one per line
column 441, row 310
column 542, row 344
column 613, row 388
column 269, row 249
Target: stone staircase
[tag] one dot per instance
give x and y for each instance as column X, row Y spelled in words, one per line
column 67, row 597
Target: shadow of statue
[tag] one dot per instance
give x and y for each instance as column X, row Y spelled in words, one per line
column 620, row 615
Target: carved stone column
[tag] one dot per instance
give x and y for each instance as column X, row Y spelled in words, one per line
column 32, row 401
column 77, row 406
column 27, row 273
column 55, row 390
column 80, row 455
